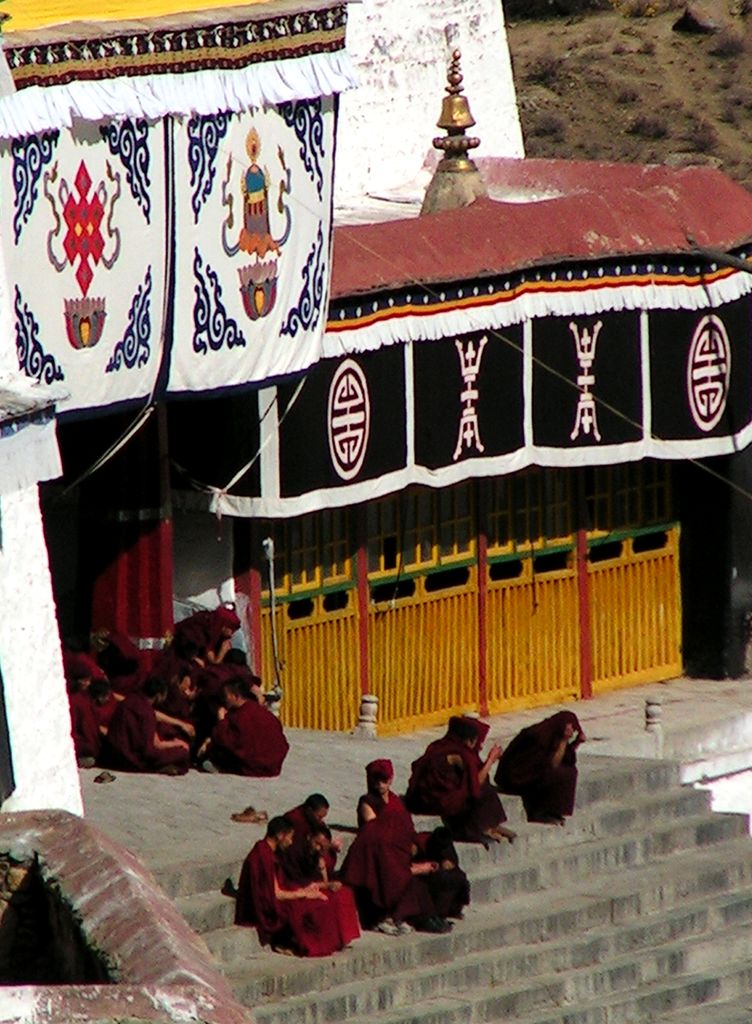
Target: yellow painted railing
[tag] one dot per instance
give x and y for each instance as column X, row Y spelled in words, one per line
column 635, row 603
column 424, row 649
column 533, row 639
column 423, row 656
column 321, row 668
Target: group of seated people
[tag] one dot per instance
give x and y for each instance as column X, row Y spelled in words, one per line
column 199, row 704
column 394, row 879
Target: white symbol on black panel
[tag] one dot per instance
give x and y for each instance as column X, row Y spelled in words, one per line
column 586, row 416
column 708, row 372
column 349, row 419
column 469, row 434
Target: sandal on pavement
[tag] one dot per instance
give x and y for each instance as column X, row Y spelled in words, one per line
column 250, row 816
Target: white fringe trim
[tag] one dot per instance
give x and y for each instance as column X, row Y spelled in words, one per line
column 29, row 456
column 39, row 109
column 448, row 323
column 471, row 469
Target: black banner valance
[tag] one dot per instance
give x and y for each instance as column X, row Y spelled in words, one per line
column 554, row 391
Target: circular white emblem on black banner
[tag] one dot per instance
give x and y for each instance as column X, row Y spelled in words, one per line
column 349, row 419
column 708, row 372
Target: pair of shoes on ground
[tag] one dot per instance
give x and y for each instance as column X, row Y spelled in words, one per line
column 229, row 889
column 391, row 927
column 548, row 819
column 435, row 925
column 250, row 816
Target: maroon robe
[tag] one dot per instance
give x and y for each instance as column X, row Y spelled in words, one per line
column 129, row 744
column 525, row 768
column 104, row 712
column 453, row 790
column 84, row 725
column 378, row 864
column 297, row 857
column 249, row 740
column 123, row 663
column 314, row 927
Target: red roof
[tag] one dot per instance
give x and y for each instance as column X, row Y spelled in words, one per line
column 598, row 211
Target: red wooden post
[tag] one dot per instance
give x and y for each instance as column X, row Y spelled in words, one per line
column 482, row 621
column 361, row 576
column 254, row 615
column 133, row 541
column 586, row 639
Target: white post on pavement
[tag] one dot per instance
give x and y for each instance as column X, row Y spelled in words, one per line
column 367, row 717
column 653, row 722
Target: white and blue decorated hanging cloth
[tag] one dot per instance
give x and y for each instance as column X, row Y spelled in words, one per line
column 252, row 244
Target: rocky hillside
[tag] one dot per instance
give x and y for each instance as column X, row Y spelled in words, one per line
column 623, row 83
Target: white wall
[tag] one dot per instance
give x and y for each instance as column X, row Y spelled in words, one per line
column 202, row 547
column 401, row 53
column 44, row 762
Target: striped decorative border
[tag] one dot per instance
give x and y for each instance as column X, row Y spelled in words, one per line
column 229, row 46
column 429, row 299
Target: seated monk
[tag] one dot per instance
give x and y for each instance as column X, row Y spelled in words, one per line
column 133, row 743
column 302, row 919
column 84, row 724
column 540, row 765
column 122, row 662
column 451, row 780
column 211, row 632
column 104, row 701
column 247, row 740
column 448, row 885
column 236, row 660
column 309, row 818
column 175, row 716
column 389, row 885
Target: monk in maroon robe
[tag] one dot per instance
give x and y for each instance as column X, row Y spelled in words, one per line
column 451, row 780
column 133, row 743
column 80, row 670
column 84, row 726
column 209, row 632
column 248, row 739
column 123, row 663
column 289, row 918
column 540, row 765
column 309, row 819
column 389, row 886
column 104, row 702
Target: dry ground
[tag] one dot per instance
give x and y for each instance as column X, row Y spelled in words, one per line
column 620, row 84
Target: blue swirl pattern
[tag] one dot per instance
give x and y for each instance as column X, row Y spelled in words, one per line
column 310, row 305
column 129, row 140
column 205, row 132
column 32, row 358
column 307, row 120
column 213, row 327
column 134, row 349
column 30, row 155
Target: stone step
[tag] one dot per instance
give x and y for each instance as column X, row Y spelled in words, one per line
column 511, row 870
column 506, row 990
column 699, row 881
column 734, row 1011
column 686, row 938
column 651, row 787
column 694, row 994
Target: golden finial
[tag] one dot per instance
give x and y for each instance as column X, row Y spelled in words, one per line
column 455, row 116
column 445, row 192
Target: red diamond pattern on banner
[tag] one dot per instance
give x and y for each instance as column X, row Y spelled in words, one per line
column 83, row 218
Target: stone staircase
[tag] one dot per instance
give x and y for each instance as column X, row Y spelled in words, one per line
column 639, row 910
